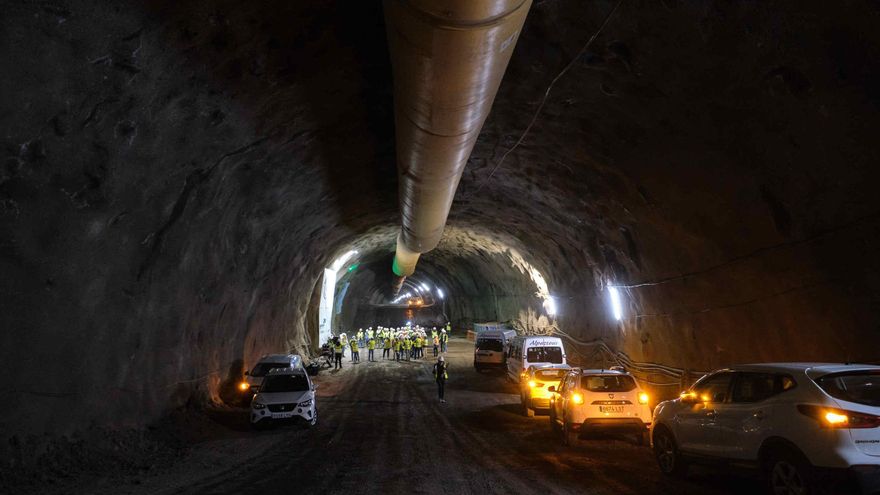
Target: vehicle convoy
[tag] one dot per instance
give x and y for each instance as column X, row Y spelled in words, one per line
column 285, row 394
column 607, row 400
column 525, row 351
column 490, row 348
column 534, row 388
column 254, row 377
column 802, row 424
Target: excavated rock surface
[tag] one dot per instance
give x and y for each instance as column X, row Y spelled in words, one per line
column 176, row 175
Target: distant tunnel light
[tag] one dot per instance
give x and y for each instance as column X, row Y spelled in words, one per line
column 616, row 307
column 425, row 287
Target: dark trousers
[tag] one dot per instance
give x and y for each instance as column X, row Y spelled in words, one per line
column 435, row 351
column 371, row 356
column 355, row 356
column 441, row 387
column 385, row 352
column 337, row 361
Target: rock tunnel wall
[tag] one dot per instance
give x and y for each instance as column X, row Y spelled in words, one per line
column 176, row 175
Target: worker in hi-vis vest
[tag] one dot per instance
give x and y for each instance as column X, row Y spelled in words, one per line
column 440, row 376
column 355, row 355
column 337, row 353
column 386, row 347
column 371, row 348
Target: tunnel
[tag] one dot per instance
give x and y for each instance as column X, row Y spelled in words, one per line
column 671, row 185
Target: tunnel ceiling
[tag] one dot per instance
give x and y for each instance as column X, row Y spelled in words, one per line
column 178, row 174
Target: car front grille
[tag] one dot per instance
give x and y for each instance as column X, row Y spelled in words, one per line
column 281, row 407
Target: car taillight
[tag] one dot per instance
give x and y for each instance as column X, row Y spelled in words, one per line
column 838, row 418
column 577, row 398
column 643, row 398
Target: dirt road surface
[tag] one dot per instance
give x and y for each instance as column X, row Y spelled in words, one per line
column 382, row 428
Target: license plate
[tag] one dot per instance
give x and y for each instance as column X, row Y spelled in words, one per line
column 283, row 415
column 611, row 409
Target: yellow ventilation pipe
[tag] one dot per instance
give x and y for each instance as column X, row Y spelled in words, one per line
column 448, row 58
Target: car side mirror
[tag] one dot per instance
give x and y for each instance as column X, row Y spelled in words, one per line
column 689, row 398
column 314, row 386
column 551, row 388
column 246, row 373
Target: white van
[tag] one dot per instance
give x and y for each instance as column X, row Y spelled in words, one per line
column 490, row 348
column 526, row 351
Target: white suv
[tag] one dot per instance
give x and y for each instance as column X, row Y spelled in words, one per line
column 286, row 393
column 599, row 400
column 803, row 424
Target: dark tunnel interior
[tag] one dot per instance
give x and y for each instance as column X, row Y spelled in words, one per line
column 178, row 175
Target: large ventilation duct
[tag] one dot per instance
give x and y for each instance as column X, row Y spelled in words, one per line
column 448, row 57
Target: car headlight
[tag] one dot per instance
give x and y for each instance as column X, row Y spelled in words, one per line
column 305, row 403
column 258, row 405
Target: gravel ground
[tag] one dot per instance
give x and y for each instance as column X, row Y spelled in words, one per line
column 381, row 427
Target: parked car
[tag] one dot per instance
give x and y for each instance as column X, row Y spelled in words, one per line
column 285, row 394
column 534, row 389
column 802, row 424
column 267, row 363
column 599, row 401
column 525, row 351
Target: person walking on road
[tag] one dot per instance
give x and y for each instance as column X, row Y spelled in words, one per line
column 436, row 340
column 337, row 354
column 371, row 346
column 355, row 355
column 444, row 341
column 440, row 376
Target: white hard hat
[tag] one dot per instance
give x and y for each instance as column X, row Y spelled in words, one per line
column 441, row 359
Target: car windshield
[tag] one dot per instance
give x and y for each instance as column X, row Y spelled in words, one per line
column 861, row 387
column 284, row 383
column 544, row 355
column 490, row 345
column 608, row 383
column 262, row 369
column 548, row 375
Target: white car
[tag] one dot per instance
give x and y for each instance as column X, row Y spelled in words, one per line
column 802, row 424
column 285, row 394
column 609, row 400
column 267, row 363
column 534, row 393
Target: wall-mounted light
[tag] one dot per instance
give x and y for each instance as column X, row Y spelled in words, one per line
column 440, row 293
column 616, row 306
column 550, row 306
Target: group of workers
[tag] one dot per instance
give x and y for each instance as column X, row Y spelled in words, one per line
column 406, row 342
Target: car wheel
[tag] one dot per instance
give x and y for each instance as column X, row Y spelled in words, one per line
column 667, row 454
column 788, row 473
column 554, row 426
column 642, row 438
column 569, row 436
